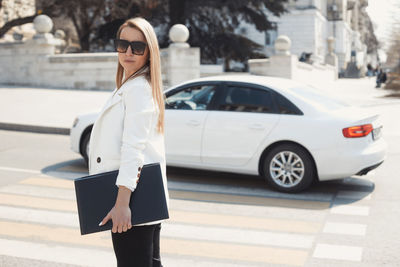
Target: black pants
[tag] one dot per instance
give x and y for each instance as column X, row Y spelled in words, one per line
column 138, row 247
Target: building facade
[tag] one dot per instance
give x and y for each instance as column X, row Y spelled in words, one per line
column 309, row 23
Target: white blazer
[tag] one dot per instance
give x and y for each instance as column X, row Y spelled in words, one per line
column 125, row 137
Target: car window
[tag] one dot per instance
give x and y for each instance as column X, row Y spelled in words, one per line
column 246, row 99
column 191, row 98
column 285, row 106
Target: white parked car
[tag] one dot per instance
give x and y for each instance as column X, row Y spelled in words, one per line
column 285, row 131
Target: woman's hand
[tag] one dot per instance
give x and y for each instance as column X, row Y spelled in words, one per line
column 121, row 219
column 120, row 214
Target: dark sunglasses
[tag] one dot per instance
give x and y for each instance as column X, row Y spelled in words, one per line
column 137, row 47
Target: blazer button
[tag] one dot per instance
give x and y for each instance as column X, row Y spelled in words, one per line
column 98, row 160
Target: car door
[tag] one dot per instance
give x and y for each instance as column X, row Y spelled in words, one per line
column 185, row 114
column 242, row 117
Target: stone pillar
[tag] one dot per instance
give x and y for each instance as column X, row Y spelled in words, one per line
column 43, row 42
column 183, row 61
column 22, row 62
column 281, row 64
column 282, row 45
column 331, row 57
column 42, row 45
column 285, row 65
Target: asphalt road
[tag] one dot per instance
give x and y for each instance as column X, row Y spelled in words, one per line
column 217, row 219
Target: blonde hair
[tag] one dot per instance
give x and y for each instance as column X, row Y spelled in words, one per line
column 154, row 64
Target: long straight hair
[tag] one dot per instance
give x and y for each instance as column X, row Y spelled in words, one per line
column 154, row 65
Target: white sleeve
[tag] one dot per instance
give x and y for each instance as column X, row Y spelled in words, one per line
column 138, row 115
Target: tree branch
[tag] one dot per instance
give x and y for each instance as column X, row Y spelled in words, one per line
column 15, row 22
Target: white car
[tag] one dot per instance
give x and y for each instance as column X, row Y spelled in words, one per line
column 285, row 131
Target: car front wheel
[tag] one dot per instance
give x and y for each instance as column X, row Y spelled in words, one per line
column 289, row 168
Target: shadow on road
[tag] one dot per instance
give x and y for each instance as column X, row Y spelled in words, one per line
column 223, row 187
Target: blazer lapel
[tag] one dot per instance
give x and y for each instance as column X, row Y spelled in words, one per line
column 114, row 99
column 111, row 102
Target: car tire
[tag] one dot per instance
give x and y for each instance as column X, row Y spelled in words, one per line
column 85, row 148
column 289, row 168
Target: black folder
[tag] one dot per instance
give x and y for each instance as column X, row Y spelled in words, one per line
column 96, row 195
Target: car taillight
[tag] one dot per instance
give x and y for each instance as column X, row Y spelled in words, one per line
column 357, row 131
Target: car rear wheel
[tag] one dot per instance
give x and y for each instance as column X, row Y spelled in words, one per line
column 85, row 148
column 289, row 168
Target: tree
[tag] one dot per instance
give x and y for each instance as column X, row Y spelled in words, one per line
column 121, row 10
column 213, row 25
column 84, row 14
column 368, row 36
column 14, row 22
column 393, row 57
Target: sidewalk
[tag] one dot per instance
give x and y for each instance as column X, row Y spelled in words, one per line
column 54, row 110
column 46, row 110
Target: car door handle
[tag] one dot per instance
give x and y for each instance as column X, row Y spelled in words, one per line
column 193, row 123
column 257, row 126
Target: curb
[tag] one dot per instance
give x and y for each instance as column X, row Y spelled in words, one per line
column 34, row 129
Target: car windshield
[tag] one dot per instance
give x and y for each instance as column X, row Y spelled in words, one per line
column 317, row 98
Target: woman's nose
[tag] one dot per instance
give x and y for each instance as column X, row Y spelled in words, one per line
column 129, row 51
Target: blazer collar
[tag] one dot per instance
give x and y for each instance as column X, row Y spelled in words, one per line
column 114, row 99
column 117, row 93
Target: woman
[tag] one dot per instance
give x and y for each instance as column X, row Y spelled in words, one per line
column 127, row 134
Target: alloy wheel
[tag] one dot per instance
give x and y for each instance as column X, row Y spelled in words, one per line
column 287, row 169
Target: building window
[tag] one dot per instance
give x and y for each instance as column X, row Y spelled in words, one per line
column 271, row 35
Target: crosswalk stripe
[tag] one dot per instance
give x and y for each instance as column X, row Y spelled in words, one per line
column 235, row 252
column 181, row 204
column 202, row 218
column 247, row 222
column 39, row 216
column 44, row 208
column 44, row 180
column 260, row 191
column 38, row 202
column 49, row 182
column 237, row 236
column 249, row 200
column 248, row 210
column 350, row 210
column 244, row 222
column 54, row 234
column 338, row 252
column 39, row 191
column 345, row 228
column 206, row 196
column 175, row 229
column 57, row 253
column 203, row 196
column 19, row 170
column 173, row 246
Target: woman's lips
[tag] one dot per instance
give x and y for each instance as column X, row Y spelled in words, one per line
column 129, row 61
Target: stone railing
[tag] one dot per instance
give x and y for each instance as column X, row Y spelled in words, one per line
column 35, row 63
column 285, row 65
